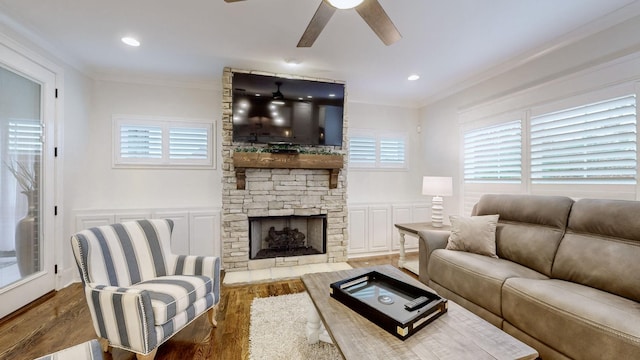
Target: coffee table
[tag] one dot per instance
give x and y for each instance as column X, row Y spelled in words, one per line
column 458, row 334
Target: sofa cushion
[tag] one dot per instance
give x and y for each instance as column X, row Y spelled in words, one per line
column 579, row 321
column 171, row 295
column 601, row 248
column 476, row 234
column 530, row 227
column 475, row 277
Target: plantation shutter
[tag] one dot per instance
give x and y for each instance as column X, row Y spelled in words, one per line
column 188, row 143
column 141, row 141
column 24, row 137
column 494, row 153
column 590, row 144
column 392, row 152
column 362, row 150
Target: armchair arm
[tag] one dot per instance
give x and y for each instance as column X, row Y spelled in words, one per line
column 200, row 265
column 123, row 316
column 429, row 241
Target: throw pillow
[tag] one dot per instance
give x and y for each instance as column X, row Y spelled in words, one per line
column 476, row 234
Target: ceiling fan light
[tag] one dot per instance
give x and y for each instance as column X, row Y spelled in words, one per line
column 345, row 4
column 131, row 41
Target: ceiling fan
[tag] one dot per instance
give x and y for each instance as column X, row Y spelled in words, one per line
column 370, row 10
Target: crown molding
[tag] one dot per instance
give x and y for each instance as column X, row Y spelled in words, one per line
column 603, row 23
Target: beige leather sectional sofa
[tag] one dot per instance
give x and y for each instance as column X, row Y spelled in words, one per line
column 566, row 280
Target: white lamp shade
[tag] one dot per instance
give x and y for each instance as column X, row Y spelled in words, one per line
column 345, row 4
column 437, row 186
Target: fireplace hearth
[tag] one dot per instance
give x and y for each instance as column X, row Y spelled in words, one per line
column 284, row 236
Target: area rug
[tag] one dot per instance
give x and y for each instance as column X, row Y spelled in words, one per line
column 277, row 330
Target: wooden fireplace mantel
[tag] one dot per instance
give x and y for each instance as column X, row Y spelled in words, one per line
column 248, row 160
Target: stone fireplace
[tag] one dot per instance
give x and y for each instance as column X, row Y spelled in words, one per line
column 294, row 186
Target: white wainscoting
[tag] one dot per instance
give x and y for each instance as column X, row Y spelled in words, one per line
column 372, row 231
column 195, row 231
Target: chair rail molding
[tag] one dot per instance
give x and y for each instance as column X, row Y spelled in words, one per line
column 196, row 231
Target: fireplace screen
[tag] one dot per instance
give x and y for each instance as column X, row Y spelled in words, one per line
column 281, row 236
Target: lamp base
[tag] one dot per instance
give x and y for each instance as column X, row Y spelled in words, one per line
column 436, row 211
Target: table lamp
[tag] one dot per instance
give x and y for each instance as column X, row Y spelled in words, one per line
column 437, row 186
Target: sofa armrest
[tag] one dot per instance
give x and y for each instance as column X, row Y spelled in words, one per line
column 122, row 315
column 429, row 240
column 201, row 265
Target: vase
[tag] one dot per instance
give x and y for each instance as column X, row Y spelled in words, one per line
column 27, row 240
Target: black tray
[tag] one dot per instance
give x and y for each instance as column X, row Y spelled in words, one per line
column 381, row 299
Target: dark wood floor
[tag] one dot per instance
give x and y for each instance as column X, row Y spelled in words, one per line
column 63, row 320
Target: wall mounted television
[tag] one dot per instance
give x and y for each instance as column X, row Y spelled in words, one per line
column 270, row 109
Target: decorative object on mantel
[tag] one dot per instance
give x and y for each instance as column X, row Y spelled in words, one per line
column 26, row 235
column 437, row 186
column 277, row 148
column 265, row 160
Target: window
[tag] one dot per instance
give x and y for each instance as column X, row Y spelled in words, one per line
column 24, row 136
column 374, row 150
column 162, row 142
column 140, row 142
column 188, row 143
column 590, row 144
column 494, row 153
column 362, row 150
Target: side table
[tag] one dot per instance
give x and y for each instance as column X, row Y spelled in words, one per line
column 412, row 229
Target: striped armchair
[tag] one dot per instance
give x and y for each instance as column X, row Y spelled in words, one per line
column 139, row 293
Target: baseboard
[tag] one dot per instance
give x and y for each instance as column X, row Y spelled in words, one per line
column 67, row 277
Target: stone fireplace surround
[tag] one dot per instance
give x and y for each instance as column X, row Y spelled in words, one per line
column 278, row 192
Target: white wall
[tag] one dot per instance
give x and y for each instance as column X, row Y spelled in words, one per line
column 588, row 64
column 98, row 185
column 91, row 183
column 386, row 186
column 72, row 145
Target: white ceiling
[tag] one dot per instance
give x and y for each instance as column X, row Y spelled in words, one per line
column 449, row 43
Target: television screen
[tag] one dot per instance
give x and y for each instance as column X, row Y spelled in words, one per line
column 269, row 109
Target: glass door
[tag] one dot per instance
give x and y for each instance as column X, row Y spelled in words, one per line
column 26, row 181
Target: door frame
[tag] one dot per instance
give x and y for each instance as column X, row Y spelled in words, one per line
column 36, row 67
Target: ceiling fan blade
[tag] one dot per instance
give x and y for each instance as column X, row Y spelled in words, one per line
column 232, row 0
column 378, row 20
column 317, row 23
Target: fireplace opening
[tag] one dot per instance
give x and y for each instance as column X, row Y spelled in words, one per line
column 282, row 236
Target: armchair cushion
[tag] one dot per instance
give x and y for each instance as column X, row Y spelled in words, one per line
column 171, row 295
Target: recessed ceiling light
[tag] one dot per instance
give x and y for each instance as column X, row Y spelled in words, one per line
column 332, row 95
column 292, row 62
column 413, row 77
column 130, row 41
column 309, row 97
